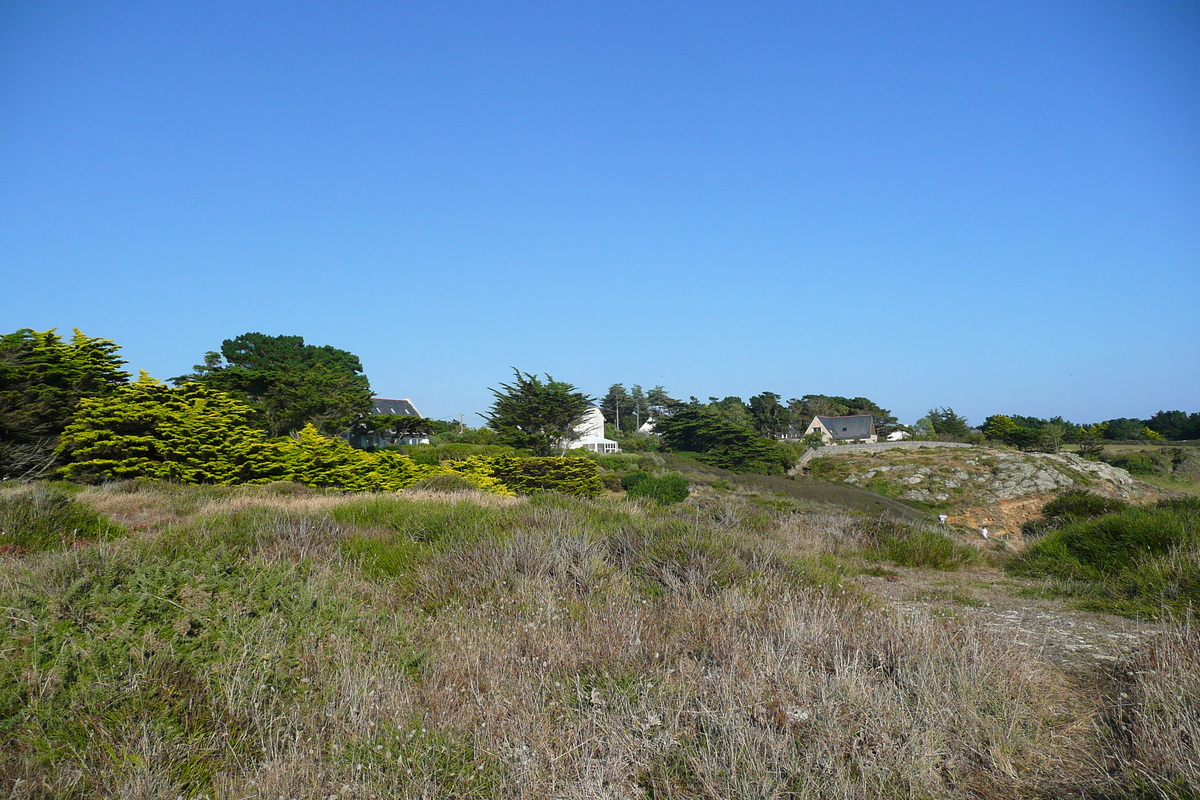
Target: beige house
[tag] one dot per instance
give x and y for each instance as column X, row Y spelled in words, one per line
column 844, row 430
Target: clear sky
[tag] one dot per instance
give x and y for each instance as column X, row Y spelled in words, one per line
column 993, row 206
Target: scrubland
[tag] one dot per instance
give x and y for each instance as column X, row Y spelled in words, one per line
column 161, row 641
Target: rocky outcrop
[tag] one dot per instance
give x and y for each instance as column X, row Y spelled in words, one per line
column 984, row 487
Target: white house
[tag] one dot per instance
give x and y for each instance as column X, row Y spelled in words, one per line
column 856, row 428
column 898, row 436
column 590, row 432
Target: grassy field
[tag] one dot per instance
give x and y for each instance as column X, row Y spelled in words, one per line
column 279, row 642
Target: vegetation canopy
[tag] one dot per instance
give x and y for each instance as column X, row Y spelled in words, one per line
column 289, row 383
column 43, row 378
column 537, row 416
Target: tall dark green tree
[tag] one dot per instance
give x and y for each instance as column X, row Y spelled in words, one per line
column 1175, row 424
column 641, row 406
column 1125, row 428
column 659, row 403
column 770, row 416
column 289, row 383
column 945, row 422
column 717, row 439
column 42, row 380
column 616, row 404
column 535, row 415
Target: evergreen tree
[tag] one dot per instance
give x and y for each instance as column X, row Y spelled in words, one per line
column 770, row 417
column 717, row 439
column 537, row 416
column 42, row 381
column 615, row 404
column 192, row 434
column 291, row 384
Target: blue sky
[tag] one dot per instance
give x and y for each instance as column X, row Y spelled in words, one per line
column 989, row 206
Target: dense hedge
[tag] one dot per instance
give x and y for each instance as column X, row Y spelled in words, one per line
column 574, row 476
column 195, row 434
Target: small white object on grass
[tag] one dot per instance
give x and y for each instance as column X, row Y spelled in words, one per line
column 984, row 532
column 942, row 518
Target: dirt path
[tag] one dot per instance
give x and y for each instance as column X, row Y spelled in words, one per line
column 1071, row 638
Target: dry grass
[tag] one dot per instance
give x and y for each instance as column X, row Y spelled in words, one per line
column 1156, row 719
column 559, row 649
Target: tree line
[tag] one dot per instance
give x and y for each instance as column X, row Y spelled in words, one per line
column 67, row 405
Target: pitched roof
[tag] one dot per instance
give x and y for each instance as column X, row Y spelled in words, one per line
column 858, row 426
column 403, row 408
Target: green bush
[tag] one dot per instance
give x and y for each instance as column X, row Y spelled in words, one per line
column 634, row 479
column 42, row 517
column 445, row 483
column 1141, row 463
column 1138, row 560
column 909, row 546
column 1072, row 506
column 574, row 476
column 666, row 490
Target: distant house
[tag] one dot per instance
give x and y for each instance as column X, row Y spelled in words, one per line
column 590, row 432
column 399, row 408
column 837, row 430
column 898, row 436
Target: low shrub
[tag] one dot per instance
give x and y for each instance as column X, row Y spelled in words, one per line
column 445, row 483
column 634, row 479
column 574, row 476
column 911, row 546
column 1072, row 506
column 43, row 517
column 1139, row 560
column 828, row 469
column 665, row 490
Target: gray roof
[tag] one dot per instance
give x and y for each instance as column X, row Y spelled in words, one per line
column 401, row 408
column 859, row 426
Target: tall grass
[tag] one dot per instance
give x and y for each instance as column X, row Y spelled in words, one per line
column 1155, row 721
column 40, row 517
column 551, row 647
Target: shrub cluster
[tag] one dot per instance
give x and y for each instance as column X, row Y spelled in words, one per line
column 43, row 517
column 667, row 489
column 195, row 434
column 573, row 476
column 1136, row 560
column 1073, row 506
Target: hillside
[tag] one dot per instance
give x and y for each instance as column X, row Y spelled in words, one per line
column 163, row 641
column 975, row 486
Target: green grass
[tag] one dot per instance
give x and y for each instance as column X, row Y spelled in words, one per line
column 47, row 517
column 525, row 648
column 141, row 637
column 1139, row 561
column 1186, row 483
column 912, row 546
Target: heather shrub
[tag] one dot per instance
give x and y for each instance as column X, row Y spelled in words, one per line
column 665, row 490
column 912, row 546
